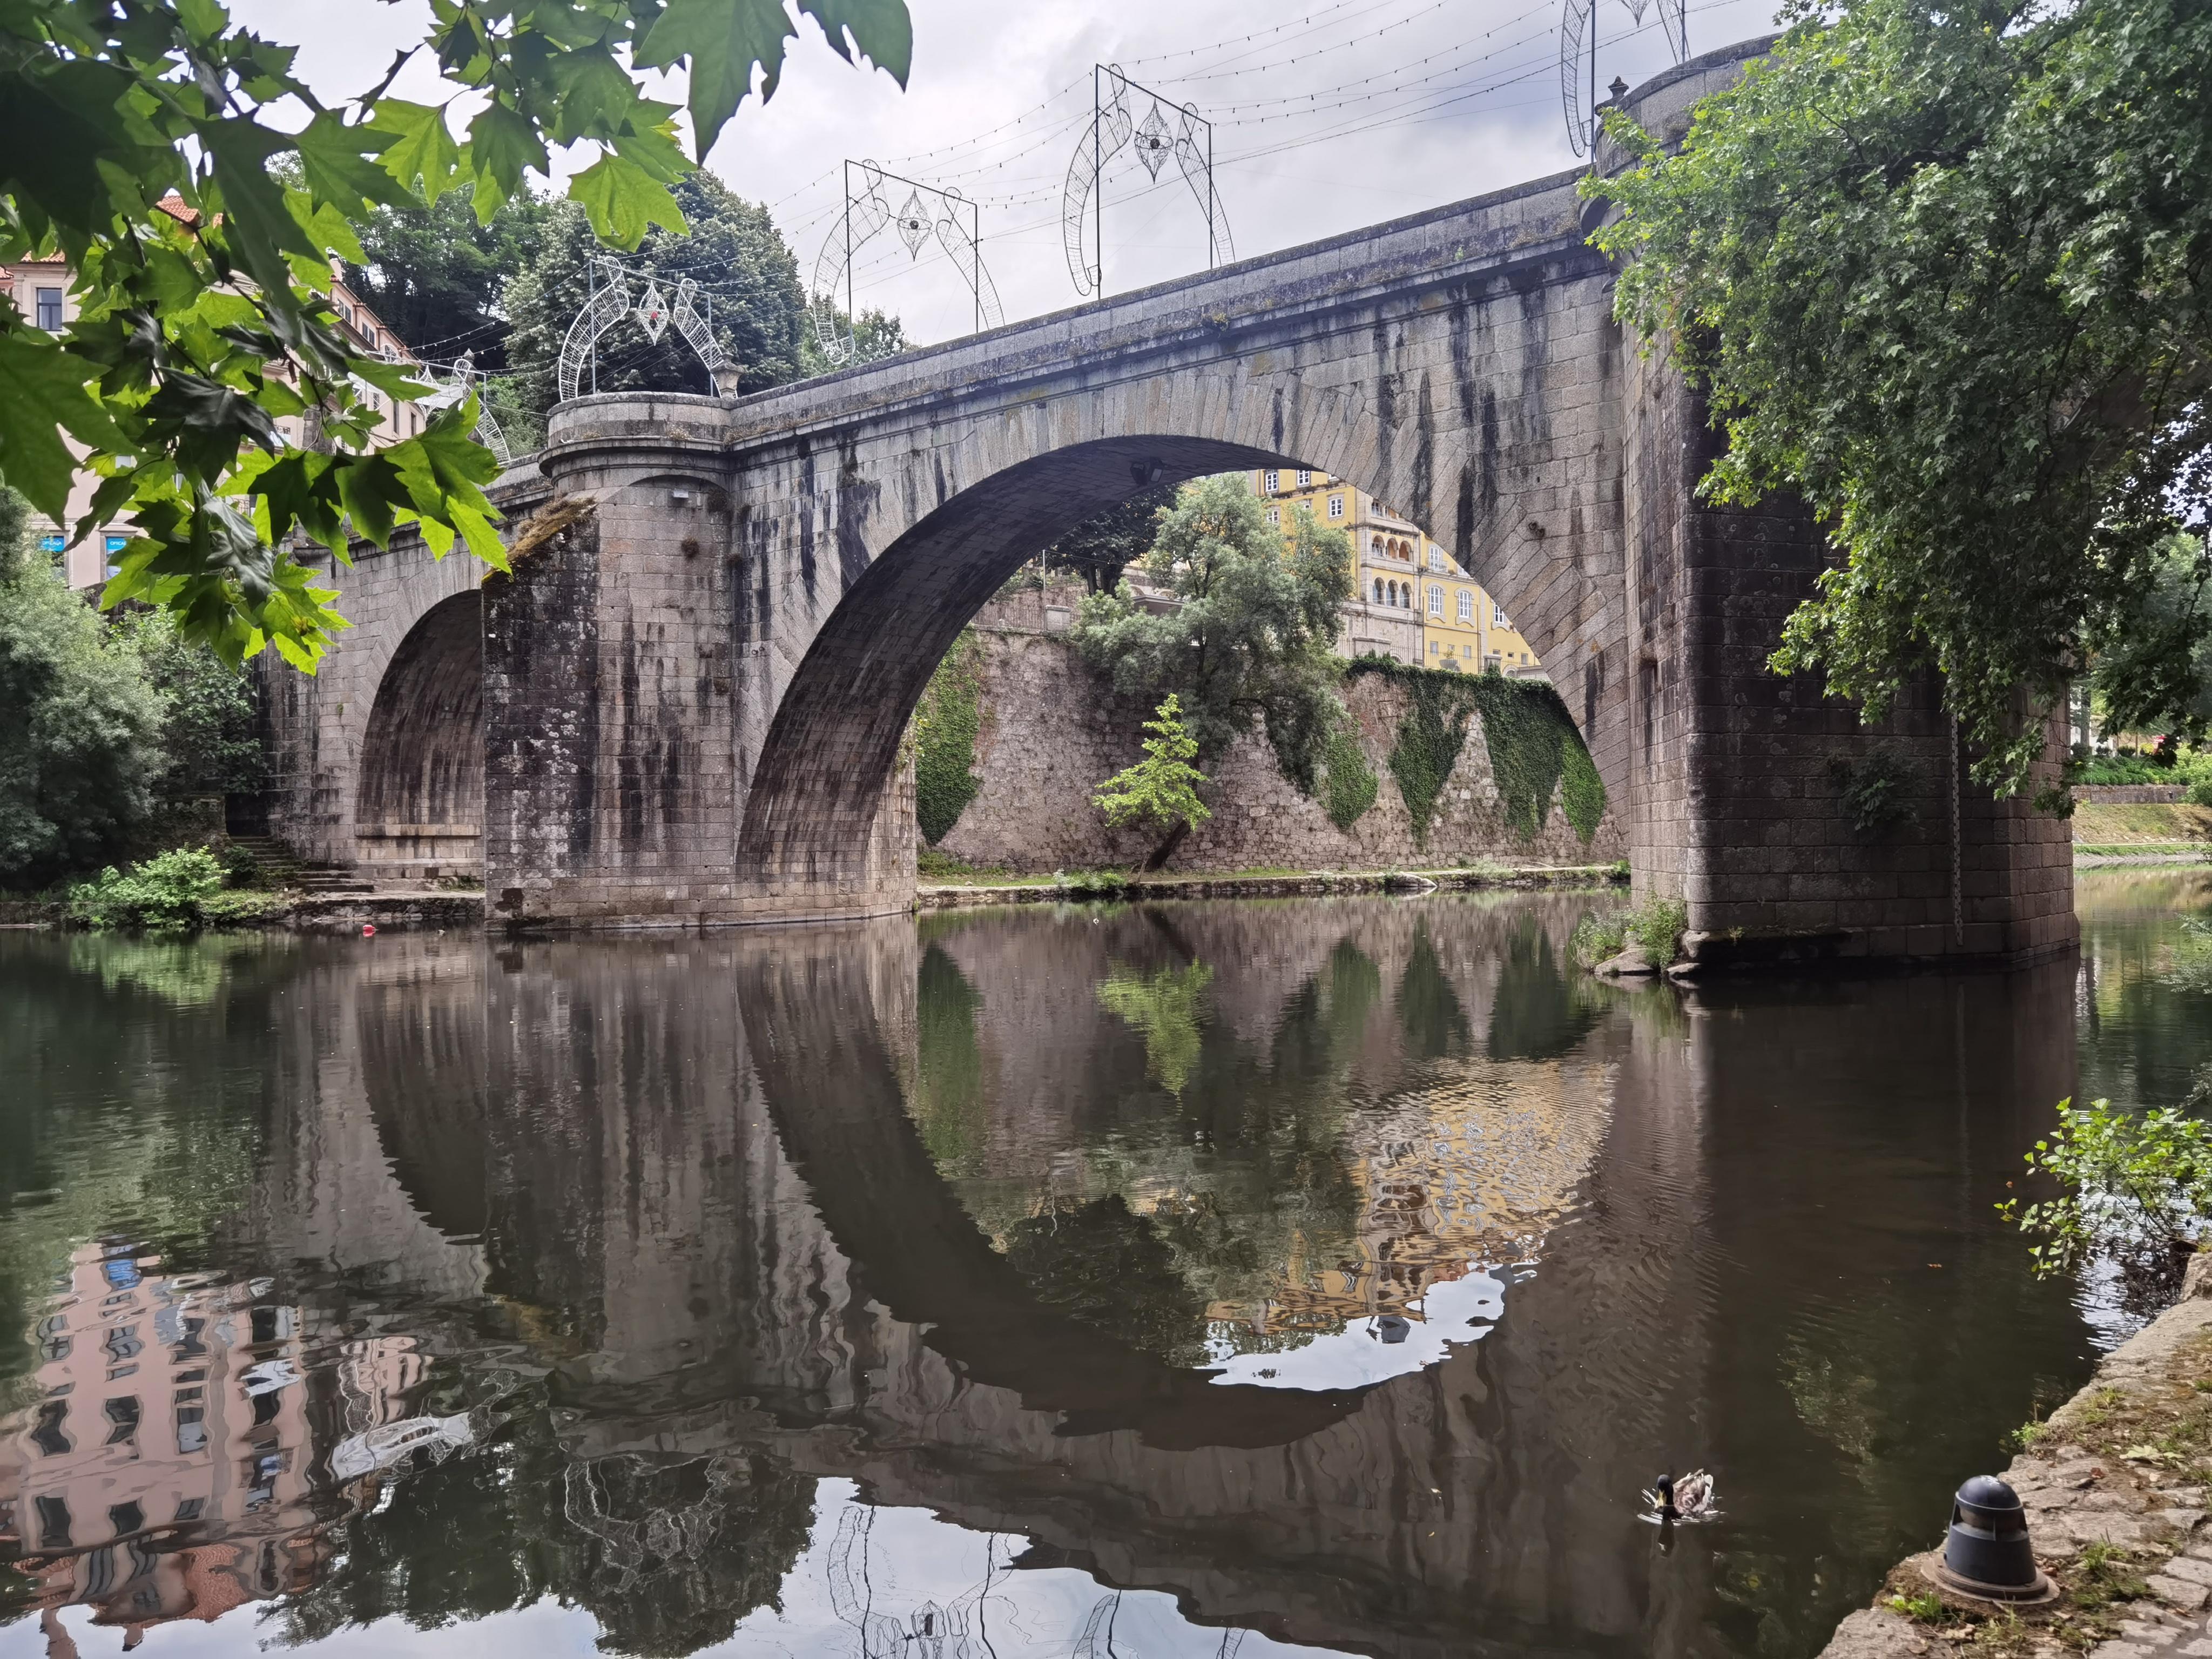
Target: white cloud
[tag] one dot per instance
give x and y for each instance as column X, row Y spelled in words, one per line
column 1348, row 113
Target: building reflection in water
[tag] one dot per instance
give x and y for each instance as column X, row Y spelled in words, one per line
column 1195, row 1280
column 172, row 1465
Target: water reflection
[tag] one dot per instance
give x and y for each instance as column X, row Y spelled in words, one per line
column 1319, row 1276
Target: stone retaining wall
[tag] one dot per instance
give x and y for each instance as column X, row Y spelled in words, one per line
column 2127, row 794
column 1051, row 735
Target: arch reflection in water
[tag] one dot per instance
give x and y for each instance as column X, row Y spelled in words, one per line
column 970, row 1243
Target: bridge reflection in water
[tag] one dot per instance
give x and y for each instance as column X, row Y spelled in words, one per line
column 1152, row 1281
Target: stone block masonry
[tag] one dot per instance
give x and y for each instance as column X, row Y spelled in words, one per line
column 1051, row 735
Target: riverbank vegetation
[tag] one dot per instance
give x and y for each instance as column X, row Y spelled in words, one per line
column 1655, row 929
column 117, row 734
column 182, row 891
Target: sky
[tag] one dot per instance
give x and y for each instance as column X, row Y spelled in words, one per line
column 1327, row 115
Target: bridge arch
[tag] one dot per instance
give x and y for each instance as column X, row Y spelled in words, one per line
column 419, row 807
column 826, row 766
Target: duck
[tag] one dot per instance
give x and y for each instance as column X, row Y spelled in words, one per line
column 1684, row 1498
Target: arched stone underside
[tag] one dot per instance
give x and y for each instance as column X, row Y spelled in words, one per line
column 421, row 804
column 698, row 679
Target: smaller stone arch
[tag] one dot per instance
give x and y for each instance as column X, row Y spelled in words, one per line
column 420, row 808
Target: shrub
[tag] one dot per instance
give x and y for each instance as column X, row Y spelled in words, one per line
column 1161, row 789
column 1655, row 928
column 2199, row 793
column 1658, row 927
column 2137, row 1187
column 1599, row 936
column 177, row 892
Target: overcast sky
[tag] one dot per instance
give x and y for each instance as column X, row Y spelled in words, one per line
column 1329, row 115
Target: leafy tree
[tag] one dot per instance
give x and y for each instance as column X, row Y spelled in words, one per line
column 1161, row 789
column 1099, row 550
column 2153, row 668
column 436, row 274
column 1250, row 640
column 78, row 723
column 731, row 247
column 199, row 328
column 877, row 335
column 1942, row 272
column 209, row 743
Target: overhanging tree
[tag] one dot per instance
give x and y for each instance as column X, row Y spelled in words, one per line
column 1942, row 272
column 197, row 332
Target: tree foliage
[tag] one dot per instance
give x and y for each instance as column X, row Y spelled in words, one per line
column 1942, row 272
column 1100, row 549
column 1250, row 640
column 198, row 328
column 875, row 334
column 727, row 244
column 2154, row 669
column 437, row 275
column 79, row 724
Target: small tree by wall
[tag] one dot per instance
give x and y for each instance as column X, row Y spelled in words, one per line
column 1160, row 790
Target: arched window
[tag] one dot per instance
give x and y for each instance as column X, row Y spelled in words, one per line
column 1436, row 600
column 1378, row 593
column 1466, row 605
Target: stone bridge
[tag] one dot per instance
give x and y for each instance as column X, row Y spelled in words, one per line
column 686, row 707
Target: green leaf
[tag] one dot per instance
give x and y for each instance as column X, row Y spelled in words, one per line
column 624, row 201
column 882, row 29
column 338, row 163
column 503, row 144
column 722, row 39
column 42, row 394
column 421, row 153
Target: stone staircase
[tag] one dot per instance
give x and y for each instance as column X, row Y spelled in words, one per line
column 281, row 867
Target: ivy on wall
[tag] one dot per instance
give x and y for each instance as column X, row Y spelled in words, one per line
column 1533, row 743
column 1350, row 785
column 945, row 724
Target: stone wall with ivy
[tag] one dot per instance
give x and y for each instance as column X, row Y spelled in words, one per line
column 1435, row 769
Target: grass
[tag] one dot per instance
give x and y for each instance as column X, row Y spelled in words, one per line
column 2142, row 826
column 2123, row 849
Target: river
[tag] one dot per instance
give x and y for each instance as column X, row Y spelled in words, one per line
column 1320, row 1277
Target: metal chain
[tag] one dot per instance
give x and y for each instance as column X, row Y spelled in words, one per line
column 1957, row 896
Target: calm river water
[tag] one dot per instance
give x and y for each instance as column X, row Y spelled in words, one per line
column 1322, row 1277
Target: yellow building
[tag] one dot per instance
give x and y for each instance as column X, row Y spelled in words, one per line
column 1410, row 599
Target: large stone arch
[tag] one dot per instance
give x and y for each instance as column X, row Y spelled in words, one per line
column 419, row 809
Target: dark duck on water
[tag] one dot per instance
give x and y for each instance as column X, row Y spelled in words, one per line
column 1685, row 1497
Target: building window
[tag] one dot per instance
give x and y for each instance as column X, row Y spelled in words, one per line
column 1378, row 593
column 122, row 1419
column 1466, row 605
column 1305, row 477
column 1274, row 515
column 1498, row 619
column 1467, row 651
column 1271, row 482
column 1336, row 506
column 49, row 310
column 1436, row 558
column 1437, row 601
column 1432, row 647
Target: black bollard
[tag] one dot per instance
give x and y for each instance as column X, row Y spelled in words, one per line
column 1986, row 1552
